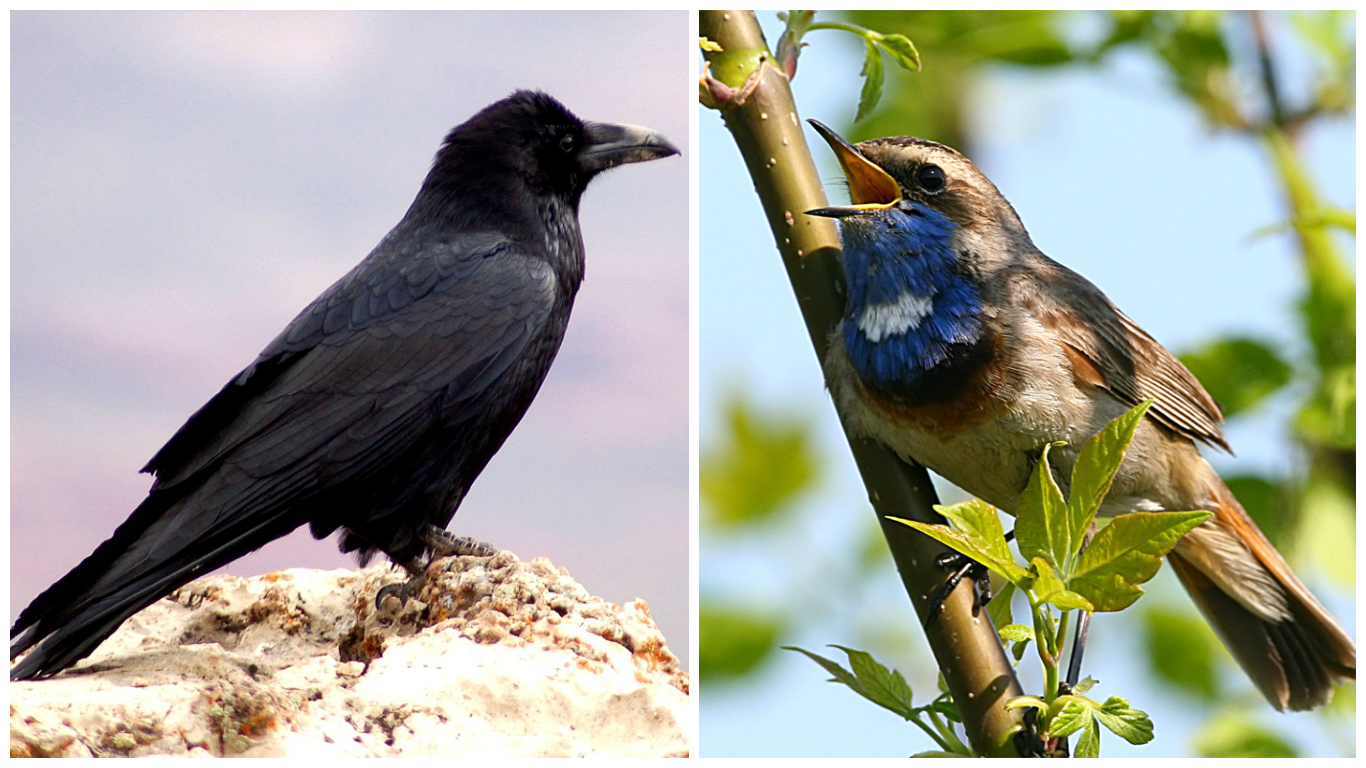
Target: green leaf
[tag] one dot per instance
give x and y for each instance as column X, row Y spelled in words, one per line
column 1016, row 633
column 872, row 83
column 1021, row 702
column 1238, row 373
column 1049, row 588
column 945, row 706
column 999, row 607
column 1132, row 725
column 1328, row 417
column 1180, row 651
column 902, row 51
column 1128, row 552
column 1088, row 743
column 733, row 640
column 1078, row 713
column 1327, row 520
column 1031, row 46
column 837, row 672
column 1086, row 684
column 1019, row 636
column 979, row 536
column 939, row 754
column 1041, row 525
column 869, row 679
column 885, row 686
column 1096, row 465
column 1071, row 714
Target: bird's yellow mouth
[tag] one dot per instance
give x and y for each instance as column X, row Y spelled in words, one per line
column 870, row 187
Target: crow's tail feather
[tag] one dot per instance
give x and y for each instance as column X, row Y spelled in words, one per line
column 131, row 570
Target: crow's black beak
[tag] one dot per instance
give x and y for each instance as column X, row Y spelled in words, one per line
column 610, row 145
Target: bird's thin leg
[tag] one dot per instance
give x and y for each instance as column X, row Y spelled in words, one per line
column 1083, row 629
column 965, row 567
column 1078, row 645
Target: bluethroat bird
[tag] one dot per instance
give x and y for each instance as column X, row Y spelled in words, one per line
column 966, row 349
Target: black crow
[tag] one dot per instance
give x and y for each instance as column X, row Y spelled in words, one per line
column 378, row 406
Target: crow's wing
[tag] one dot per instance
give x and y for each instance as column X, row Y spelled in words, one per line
column 448, row 319
column 441, row 328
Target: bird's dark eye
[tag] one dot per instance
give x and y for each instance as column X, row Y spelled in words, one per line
column 930, row 178
column 567, row 143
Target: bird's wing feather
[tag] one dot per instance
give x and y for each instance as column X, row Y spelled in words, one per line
column 1109, row 350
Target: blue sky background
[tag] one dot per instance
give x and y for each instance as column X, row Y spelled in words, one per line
column 183, row 184
column 1114, row 177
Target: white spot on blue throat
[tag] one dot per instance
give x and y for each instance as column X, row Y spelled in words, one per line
column 882, row 321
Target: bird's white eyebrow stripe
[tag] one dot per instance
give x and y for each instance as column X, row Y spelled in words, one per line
column 880, row 321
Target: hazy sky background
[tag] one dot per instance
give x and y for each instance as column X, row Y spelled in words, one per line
column 1113, row 177
column 183, row 184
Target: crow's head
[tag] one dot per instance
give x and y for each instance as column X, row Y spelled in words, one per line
column 529, row 142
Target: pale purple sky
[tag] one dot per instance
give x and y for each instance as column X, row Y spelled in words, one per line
column 183, row 184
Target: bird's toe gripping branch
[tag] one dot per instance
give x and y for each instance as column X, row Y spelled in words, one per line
column 960, row 566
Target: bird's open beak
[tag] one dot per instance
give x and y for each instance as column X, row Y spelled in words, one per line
column 610, row 145
column 870, row 187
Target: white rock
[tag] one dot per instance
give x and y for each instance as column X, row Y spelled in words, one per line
column 491, row 657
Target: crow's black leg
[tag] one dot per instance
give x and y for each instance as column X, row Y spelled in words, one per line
column 441, row 544
column 417, row 576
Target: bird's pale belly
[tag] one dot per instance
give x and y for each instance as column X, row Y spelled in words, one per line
column 988, row 447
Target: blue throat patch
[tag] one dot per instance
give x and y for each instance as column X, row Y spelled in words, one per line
column 911, row 314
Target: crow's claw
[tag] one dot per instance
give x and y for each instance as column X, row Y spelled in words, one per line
column 402, row 589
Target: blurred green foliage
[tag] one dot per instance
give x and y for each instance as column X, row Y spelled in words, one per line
column 1227, row 735
column 933, row 104
column 758, row 464
column 1266, row 501
column 734, row 639
column 1186, row 666
column 1238, row 373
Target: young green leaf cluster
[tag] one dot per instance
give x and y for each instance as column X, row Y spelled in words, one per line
column 1064, row 573
column 898, row 47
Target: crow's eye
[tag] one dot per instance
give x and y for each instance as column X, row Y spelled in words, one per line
column 930, row 178
column 567, row 143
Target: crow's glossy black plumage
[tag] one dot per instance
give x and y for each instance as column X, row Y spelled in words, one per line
column 377, row 407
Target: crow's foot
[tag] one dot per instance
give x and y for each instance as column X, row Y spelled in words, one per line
column 441, row 544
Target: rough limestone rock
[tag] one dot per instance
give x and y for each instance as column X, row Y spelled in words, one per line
column 490, row 657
